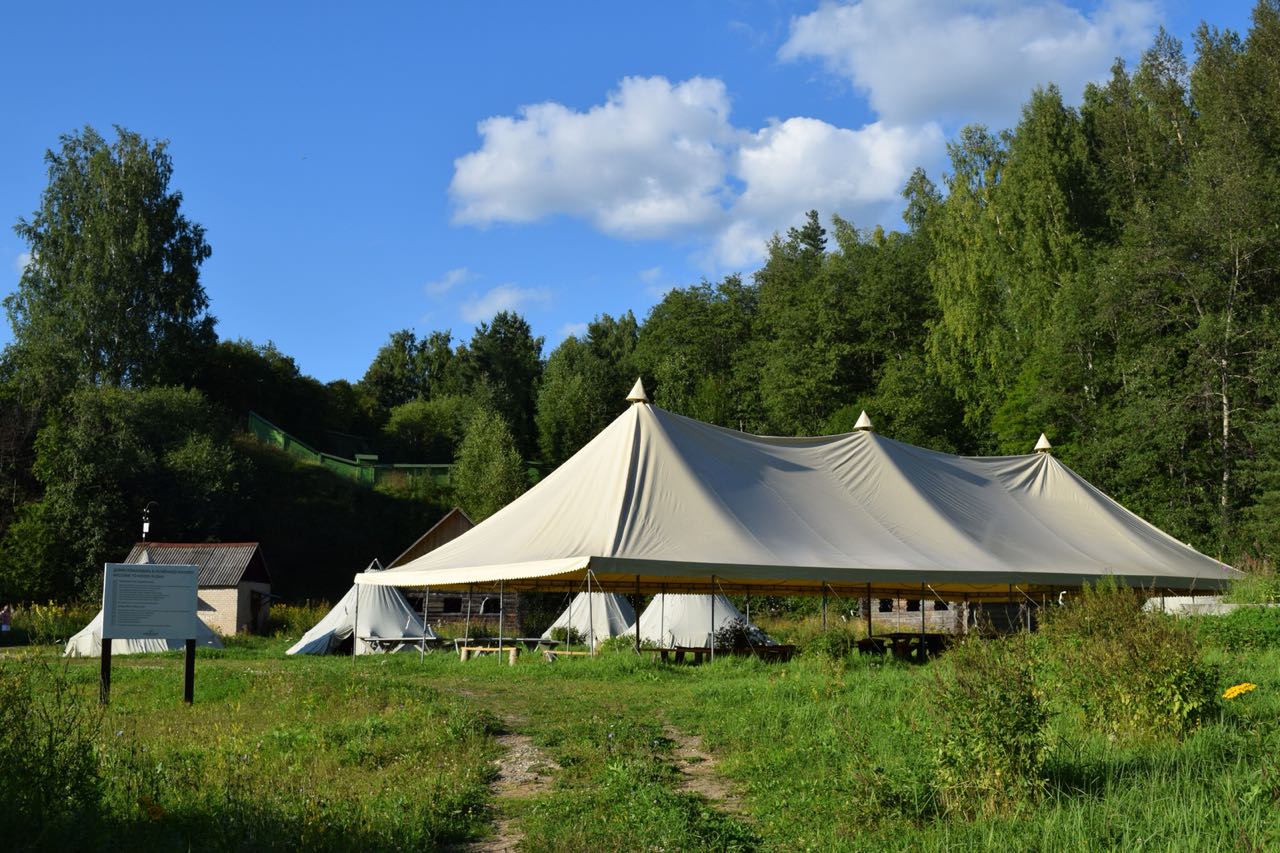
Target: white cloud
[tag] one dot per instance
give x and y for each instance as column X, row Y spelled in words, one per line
column 575, row 329
column 804, row 164
column 651, row 275
column 504, row 297
column 21, row 261
column 659, row 160
column 648, row 162
column 447, row 282
column 961, row 61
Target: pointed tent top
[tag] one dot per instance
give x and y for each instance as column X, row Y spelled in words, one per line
column 637, row 394
column 1043, row 445
column 864, row 422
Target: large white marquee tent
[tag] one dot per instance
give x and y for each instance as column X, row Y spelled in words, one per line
column 659, row 502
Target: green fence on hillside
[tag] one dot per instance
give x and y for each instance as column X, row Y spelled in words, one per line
column 363, row 469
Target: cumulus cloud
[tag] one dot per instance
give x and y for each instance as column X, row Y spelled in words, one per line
column 960, row 61
column 504, row 297
column 663, row 160
column 447, row 282
column 804, row 164
column 647, row 162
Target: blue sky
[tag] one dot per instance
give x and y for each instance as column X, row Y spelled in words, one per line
column 362, row 168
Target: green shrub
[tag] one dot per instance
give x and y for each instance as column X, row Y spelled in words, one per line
column 738, row 635
column 294, row 620
column 1244, row 629
column 836, row 644
column 1130, row 672
column 568, row 635
column 1260, row 584
column 51, row 623
column 50, row 782
column 991, row 732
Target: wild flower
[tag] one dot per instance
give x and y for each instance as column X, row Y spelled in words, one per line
column 1233, row 692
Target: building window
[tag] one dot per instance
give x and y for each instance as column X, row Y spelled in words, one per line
column 940, row 605
column 451, row 604
column 913, row 605
column 886, row 605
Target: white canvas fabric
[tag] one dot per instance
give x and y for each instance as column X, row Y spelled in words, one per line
column 88, row 642
column 685, row 620
column 611, row 615
column 657, row 498
column 383, row 612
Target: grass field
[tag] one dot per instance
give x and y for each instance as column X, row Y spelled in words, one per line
column 613, row 753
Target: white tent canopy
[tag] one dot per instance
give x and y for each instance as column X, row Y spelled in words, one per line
column 662, row 502
column 685, row 620
column 598, row 614
column 88, row 642
column 383, row 613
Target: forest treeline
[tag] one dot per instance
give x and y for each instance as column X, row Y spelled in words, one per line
column 1108, row 274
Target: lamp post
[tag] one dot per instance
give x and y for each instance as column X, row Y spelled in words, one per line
column 146, row 518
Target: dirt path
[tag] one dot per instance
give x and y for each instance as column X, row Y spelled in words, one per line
column 523, row 772
column 698, row 774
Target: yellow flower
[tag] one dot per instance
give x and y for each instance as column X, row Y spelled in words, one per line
column 1233, row 692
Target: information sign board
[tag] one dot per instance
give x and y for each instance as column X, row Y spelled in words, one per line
column 149, row 601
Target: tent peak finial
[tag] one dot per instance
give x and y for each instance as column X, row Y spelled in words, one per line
column 1043, row 445
column 864, row 423
column 637, row 394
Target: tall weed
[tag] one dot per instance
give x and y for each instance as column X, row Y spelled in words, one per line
column 1130, row 672
column 991, row 733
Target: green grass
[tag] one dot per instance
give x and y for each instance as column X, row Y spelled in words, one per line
column 391, row 753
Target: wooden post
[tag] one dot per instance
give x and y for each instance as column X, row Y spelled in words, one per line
column 635, row 605
column 189, row 676
column 104, row 674
column 713, row 618
column 923, row 655
column 869, row 629
column 501, row 613
column 511, row 655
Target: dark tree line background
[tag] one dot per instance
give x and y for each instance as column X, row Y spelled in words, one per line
column 1108, row 274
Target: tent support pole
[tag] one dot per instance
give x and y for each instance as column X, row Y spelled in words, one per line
column 922, row 643
column 964, row 625
column 501, row 614
column 824, row 605
column 466, row 628
column 748, row 608
column 355, row 627
column 662, row 620
column 591, row 618
column 868, row 610
column 422, row 649
column 713, row 618
column 635, row 605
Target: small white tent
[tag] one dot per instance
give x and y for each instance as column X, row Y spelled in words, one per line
column 88, row 643
column 598, row 614
column 685, row 620
column 383, row 613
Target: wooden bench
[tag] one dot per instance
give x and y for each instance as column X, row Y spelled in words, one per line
column 512, row 652
column 552, row 654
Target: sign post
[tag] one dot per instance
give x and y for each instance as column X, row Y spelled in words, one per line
column 148, row 601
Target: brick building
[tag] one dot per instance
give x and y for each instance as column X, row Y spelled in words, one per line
column 234, row 584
